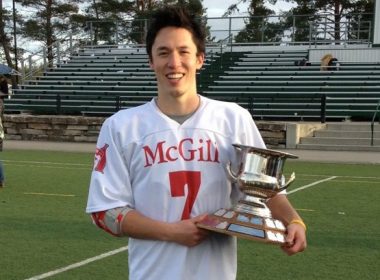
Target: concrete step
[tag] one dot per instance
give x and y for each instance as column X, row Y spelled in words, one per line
column 350, row 148
column 360, row 126
column 349, row 134
column 339, row 141
column 343, row 136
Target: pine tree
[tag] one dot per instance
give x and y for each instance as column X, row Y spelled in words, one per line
column 47, row 20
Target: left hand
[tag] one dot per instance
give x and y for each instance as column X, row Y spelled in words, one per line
column 295, row 240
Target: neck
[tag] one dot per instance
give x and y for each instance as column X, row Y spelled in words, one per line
column 178, row 106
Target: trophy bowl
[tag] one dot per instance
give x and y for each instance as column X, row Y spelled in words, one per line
column 260, row 177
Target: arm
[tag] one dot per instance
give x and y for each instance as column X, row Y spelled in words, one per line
column 296, row 233
column 123, row 221
column 183, row 232
column 111, row 170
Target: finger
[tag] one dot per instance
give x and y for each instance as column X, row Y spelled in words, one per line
column 199, row 218
column 289, row 239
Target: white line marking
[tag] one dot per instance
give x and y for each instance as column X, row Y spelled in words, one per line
column 78, row 264
column 45, row 162
column 312, row 184
column 49, row 194
column 47, row 166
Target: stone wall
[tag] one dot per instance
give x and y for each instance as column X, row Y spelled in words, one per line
column 274, row 133
column 52, row 128
column 86, row 129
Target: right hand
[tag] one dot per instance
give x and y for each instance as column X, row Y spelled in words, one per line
column 187, row 233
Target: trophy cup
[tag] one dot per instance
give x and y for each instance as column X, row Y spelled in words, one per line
column 260, row 178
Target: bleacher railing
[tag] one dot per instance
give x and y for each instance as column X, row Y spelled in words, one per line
column 35, row 63
column 319, row 29
column 307, row 30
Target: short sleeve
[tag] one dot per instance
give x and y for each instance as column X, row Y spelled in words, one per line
column 110, row 184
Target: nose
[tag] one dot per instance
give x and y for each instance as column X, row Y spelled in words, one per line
column 174, row 60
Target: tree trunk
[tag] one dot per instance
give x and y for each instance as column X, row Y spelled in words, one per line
column 5, row 41
column 49, row 33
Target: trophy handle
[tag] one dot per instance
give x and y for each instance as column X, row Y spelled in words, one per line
column 231, row 173
column 291, row 179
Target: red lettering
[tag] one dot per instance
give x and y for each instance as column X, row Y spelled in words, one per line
column 186, row 150
column 168, row 156
column 181, row 150
column 148, row 152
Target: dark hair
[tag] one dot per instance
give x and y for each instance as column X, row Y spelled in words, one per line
column 175, row 16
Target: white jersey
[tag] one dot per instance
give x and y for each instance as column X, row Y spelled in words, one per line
column 169, row 171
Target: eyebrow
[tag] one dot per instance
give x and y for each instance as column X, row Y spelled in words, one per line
column 164, row 48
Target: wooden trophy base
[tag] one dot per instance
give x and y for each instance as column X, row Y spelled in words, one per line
column 245, row 226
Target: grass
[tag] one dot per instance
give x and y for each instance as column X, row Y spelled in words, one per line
column 43, row 226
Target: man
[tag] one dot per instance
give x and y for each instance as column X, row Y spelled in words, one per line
column 161, row 167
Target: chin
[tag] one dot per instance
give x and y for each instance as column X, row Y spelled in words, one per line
column 176, row 93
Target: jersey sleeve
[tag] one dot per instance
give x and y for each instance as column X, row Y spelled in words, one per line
column 110, row 185
column 248, row 131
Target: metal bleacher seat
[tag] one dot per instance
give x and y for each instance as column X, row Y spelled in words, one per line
column 268, row 83
column 271, row 86
column 93, row 81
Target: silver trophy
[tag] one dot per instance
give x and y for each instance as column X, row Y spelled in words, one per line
column 259, row 177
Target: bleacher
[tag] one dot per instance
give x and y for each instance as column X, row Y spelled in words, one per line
column 271, row 86
column 268, row 83
column 93, row 82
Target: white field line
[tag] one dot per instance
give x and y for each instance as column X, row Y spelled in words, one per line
column 312, row 184
column 107, row 254
column 49, row 194
column 50, row 166
column 44, row 162
column 47, row 164
column 79, row 264
column 32, row 163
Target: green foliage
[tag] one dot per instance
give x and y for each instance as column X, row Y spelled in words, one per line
column 128, row 19
column 48, row 16
column 342, row 14
column 298, row 20
column 125, row 21
column 259, row 27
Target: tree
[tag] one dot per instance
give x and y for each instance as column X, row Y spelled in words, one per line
column 103, row 19
column 299, row 19
column 4, row 38
column 342, row 15
column 361, row 20
column 48, row 20
column 259, row 26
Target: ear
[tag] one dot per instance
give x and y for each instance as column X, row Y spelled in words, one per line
column 200, row 60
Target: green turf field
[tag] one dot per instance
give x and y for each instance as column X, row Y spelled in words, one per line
column 45, row 231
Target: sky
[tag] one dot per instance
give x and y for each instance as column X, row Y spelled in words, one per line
column 216, row 8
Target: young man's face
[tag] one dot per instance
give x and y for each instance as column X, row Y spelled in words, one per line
column 175, row 61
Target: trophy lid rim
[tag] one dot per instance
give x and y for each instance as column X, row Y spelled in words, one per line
column 265, row 151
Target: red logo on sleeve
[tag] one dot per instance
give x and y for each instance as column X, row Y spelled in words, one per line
column 101, row 158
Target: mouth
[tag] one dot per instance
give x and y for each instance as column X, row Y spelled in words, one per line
column 175, row 76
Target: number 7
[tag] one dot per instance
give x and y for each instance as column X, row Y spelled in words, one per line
column 178, row 181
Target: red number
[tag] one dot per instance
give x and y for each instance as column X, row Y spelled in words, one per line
column 178, row 181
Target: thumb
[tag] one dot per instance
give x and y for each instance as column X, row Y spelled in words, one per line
column 289, row 239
